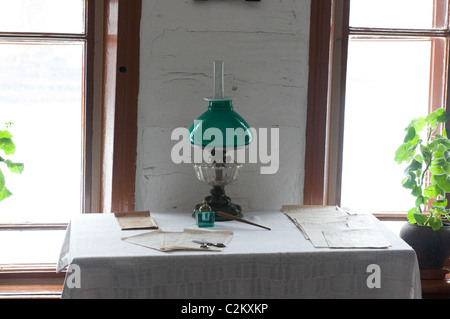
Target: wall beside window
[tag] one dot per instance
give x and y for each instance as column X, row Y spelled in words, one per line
column 265, row 47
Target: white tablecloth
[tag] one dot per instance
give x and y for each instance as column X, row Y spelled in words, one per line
column 276, row 264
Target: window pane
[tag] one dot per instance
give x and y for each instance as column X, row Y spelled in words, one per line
column 403, row 14
column 49, row 16
column 41, row 92
column 387, row 85
column 30, row 247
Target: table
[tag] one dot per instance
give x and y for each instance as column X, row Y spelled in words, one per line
column 257, row 264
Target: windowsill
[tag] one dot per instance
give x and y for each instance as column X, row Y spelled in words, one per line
column 31, row 281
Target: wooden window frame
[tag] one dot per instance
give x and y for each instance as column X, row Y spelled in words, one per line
column 326, row 100
column 120, row 93
column 110, row 135
column 329, row 38
column 110, row 132
column 88, row 91
column 330, row 32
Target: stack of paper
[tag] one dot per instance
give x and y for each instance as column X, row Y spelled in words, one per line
column 135, row 220
column 186, row 240
column 331, row 226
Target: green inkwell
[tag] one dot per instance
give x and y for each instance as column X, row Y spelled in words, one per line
column 205, row 216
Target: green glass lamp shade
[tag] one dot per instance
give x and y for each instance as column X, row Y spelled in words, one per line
column 220, row 126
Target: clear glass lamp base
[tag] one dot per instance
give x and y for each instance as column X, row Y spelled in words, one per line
column 218, row 175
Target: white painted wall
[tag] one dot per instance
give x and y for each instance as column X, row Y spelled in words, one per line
column 265, row 48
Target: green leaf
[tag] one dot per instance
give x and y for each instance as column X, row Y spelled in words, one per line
column 7, row 145
column 418, row 158
column 411, row 214
column 436, row 116
column 414, row 166
column 420, row 200
column 410, row 181
column 440, row 166
column 420, row 219
column 433, row 191
column 440, row 203
column 410, row 135
column 4, row 193
column 439, row 150
column 440, row 142
column 16, row 168
column 443, row 181
column 426, row 152
column 435, row 222
column 5, row 134
column 443, row 116
column 438, row 211
column 417, row 191
column 418, row 123
column 2, row 180
column 406, row 151
column 402, row 154
column 447, row 156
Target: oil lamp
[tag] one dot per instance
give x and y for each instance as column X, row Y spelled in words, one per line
column 231, row 132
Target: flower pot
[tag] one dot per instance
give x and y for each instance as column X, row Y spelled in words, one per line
column 432, row 247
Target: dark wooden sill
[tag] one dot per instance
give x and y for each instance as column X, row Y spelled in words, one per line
column 30, row 282
column 435, row 288
column 436, row 284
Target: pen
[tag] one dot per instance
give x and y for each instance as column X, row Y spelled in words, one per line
column 240, row 219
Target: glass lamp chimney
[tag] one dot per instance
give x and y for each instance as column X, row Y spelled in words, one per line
column 219, row 88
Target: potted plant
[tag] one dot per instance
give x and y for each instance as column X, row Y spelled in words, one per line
column 426, row 151
column 8, row 148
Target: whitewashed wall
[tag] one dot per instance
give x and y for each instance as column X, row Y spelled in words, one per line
column 265, row 48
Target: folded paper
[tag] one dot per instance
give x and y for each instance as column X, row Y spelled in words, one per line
column 135, row 220
column 186, row 240
column 333, row 227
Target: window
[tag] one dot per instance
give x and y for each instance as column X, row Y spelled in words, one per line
column 396, row 70
column 97, row 41
column 46, row 52
column 43, row 86
column 388, row 63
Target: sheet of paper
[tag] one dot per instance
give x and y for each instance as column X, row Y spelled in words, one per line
column 331, row 226
column 360, row 222
column 314, row 213
column 135, row 220
column 170, row 241
column 188, row 236
column 314, row 231
column 312, row 220
column 155, row 239
column 355, row 238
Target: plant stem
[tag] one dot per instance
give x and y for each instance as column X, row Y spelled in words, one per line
column 422, row 178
